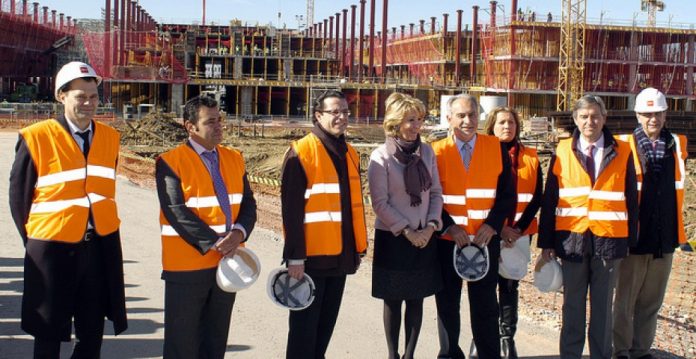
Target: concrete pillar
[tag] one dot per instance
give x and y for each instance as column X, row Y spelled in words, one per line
column 177, row 98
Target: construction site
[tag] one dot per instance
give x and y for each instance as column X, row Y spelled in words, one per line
column 265, row 79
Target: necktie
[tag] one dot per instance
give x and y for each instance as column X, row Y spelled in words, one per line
column 590, row 163
column 219, row 185
column 85, row 142
column 466, row 155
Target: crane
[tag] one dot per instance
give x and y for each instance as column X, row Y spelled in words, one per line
column 652, row 7
column 571, row 61
column 310, row 13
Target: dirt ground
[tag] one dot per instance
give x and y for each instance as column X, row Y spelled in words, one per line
column 264, row 146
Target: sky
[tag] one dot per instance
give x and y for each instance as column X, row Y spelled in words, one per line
column 680, row 13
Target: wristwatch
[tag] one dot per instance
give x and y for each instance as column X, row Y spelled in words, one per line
column 432, row 224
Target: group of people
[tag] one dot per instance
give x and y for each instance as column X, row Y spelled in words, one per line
column 611, row 210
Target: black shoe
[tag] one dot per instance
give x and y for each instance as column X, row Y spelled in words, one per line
column 647, row 356
column 508, row 347
column 622, row 357
column 473, row 353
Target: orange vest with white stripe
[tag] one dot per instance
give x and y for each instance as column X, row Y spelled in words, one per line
column 680, row 156
column 199, row 196
column 468, row 196
column 68, row 185
column 322, row 221
column 602, row 208
column 527, row 171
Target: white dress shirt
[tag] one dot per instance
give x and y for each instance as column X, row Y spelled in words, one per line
column 598, row 152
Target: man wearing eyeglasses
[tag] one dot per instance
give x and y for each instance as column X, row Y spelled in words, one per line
column 323, row 221
column 659, row 156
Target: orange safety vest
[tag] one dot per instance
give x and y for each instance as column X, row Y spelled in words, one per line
column 468, row 196
column 200, row 198
column 322, row 220
column 601, row 208
column 68, row 186
column 679, row 175
column 527, row 171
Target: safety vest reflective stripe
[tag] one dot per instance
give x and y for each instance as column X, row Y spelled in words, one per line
column 313, row 217
column 478, row 214
column 574, row 191
column 607, row 216
column 480, row 193
column 460, row 220
column 212, row 201
column 518, row 215
column 571, row 212
column 76, row 174
column 524, row 197
column 454, row 199
column 55, row 206
column 682, row 168
column 639, row 186
column 168, row 230
column 591, row 215
column 607, row 195
column 61, row 177
column 320, row 188
column 101, row 171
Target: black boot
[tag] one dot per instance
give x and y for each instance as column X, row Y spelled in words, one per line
column 509, row 297
column 507, row 344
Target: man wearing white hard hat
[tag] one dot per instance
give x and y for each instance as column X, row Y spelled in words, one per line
column 659, row 157
column 589, row 219
column 62, row 202
column 207, row 210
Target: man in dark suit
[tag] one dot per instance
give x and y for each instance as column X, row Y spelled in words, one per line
column 62, row 202
column 477, row 194
column 207, row 212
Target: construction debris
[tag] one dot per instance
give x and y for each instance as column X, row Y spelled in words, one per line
column 155, row 129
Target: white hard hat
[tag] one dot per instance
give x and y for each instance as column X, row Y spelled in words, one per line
column 650, row 100
column 471, row 262
column 71, row 71
column 238, row 272
column 515, row 260
column 548, row 276
column 288, row 292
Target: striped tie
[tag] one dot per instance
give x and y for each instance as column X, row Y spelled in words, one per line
column 466, row 155
column 219, row 185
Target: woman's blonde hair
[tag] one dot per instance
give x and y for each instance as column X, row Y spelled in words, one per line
column 397, row 106
column 490, row 121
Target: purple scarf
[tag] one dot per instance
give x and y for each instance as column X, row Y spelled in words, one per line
column 416, row 175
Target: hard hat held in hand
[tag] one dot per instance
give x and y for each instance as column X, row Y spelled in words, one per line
column 238, row 272
column 71, row 71
column 471, row 262
column 288, row 292
column 548, row 276
column 650, row 100
column 515, row 260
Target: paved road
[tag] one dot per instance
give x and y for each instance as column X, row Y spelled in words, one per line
column 259, row 328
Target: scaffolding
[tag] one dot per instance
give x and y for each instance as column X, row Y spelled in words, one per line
column 28, row 44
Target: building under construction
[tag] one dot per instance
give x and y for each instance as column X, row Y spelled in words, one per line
column 32, row 42
column 267, row 71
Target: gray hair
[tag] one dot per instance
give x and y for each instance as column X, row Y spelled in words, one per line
column 587, row 101
column 462, row 96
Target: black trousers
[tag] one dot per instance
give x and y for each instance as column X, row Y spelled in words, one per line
column 196, row 319
column 311, row 329
column 483, row 306
column 89, row 313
